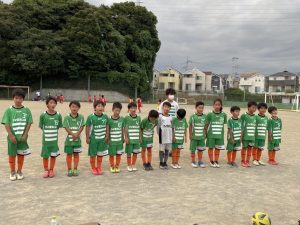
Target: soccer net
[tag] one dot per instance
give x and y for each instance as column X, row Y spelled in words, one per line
column 6, row 91
column 286, row 99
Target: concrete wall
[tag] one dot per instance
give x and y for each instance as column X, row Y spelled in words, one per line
column 81, row 95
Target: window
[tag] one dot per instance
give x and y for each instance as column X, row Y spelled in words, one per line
column 257, row 89
column 245, row 78
column 188, row 87
column 161, row 86
column 172, row 75
column 199, row 77
column 171, row 85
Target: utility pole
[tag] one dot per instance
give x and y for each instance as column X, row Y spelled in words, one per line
column 138, row 2
column 187, row 62
column 235, row 67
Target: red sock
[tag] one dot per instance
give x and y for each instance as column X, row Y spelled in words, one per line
column 210, row 154
column 243, row 154
column 254, row 153
column 134, row 157
column 69, row 161
column 20, row 162
column 229, row 156
column 144, row 155
column 270, row 155
column 52, row 163
column 200, row 155
column 99, row 161
column 118, row 160
column 217, row 154
column 193, row 157
column 273, row 156
column 128, row 159
column 174, row 152
column 92, row 162
column 233, row 156
column 45, row 163
column 76, row 160
column 12, row 163
column 149, row 155
column 258, row 157
column 249, row 152
column 112, row 161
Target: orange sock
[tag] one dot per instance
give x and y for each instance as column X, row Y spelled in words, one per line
column 20, row 162
column 99, row 161
column 229, row 156
column 45, row 163
column 258, row 156
column 144, row 155
column 210, row 154
column 243, row 154
column 270, row 155
column 69, row 161
column 52, row 163
column 254, row 153
column 128, row 159
column 200, row 155
column 193, row 157
column 12, row 163
column 134, row 157
column 217, row 154
column 273, row 156
column 92, row 162
column 118, row 160
column 233, row 156
column 249, row 152
column 149, row 155
column 112, row 161
column 76, row 160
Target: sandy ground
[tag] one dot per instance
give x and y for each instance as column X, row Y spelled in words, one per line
column 188, row 196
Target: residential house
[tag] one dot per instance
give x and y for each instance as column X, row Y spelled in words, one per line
column 155, row 79
column 193, row 81
column 282, row 82
column 227, row 81
column 208, row 78
column 169, row 78
column 216, row 83
column 253, row 82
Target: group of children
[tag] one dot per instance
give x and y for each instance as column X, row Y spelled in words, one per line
column 106, row 135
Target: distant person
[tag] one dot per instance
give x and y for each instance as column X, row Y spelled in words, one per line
column 61, row 99
column 130, row 99
column 38, row 96
column 103, row 100
column 170, row 94
column 95, row 99
column 89, row 99
column 139, row 104
column 158, row 104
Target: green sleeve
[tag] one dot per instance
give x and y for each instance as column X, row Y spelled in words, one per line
column 88, row 121
column 29, row 117
column 229, row 124
column 6, row 117
column 60, row 121
column 65, row 123
column 41, row 123
column 143, row 124
column 82, row 121
column 243, row 117
column 191, row 120
column 208, row 119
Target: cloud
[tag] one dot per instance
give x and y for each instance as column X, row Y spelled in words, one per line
column 263, row 34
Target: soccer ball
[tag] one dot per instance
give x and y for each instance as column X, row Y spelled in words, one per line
column 261, row 218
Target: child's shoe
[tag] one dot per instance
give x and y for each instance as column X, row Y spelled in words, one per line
column 99, row 169
column 51, row 173
column 117, row 169
column 212, row 164
column 150, row 166
column 194, row 165
column 161, row 165
column 165, row 165
column 201, row 164
column 244, row 164
column 133, row 168
column 217, row 164
column 275, row 163
column 70, row 173
column 174, row 166
column 248, row 164
column 75, row 172
column 95, row 171
column 261, row 163
column 145, row 166
column 112, row 169
column 46, row 174
column 13, row 176
column 129, row 168
column 255, row 162
column 178, row 166
column 20, row 175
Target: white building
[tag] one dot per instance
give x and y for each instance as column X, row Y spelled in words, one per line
column 196, row 81
column 253, row 82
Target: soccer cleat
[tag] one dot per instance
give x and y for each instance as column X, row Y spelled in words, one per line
column 129, row 168
column 212, row 164
column 261, row 163
column 275, row 163
column 99, row 169
column 150, row 166
column 46, row 174
column 13, row 176
column 145, row 166
column 117, row 169
column 248, row 164
column 165, row 165
column 194, row 165
column 233, row 164
column 134, row 168
column 95, row 171
column 174, row 166
column 112, row 169
column 161, row 165
column 75, row 172
column 178, row 166
column 255, row 162
column 244, row 164
column 20, row 175
column 201, row 164
column 217, row 164
column 70, row 173
column 51, row 173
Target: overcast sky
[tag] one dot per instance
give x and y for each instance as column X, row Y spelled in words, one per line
column 263, row 34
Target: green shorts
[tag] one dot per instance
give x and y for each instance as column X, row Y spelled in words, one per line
column 260, row 144
column 132, row 148
column 115, row 149
column 274, row 145
column 233, row 147
column 50, row 151
column 177, row 146
column 215, row 143
column 72, row 149
column 98, row 148
column 147, row 144
column 198, row 145
column 248, row 143
column 21, row 148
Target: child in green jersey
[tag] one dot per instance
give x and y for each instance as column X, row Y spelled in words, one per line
column 274, row 134
column 179, row 126
column 115, row 137
column 147, row 127
column 50, row 122
column 234, row 135
column 73, row 124
column 214, row 130
column 95, row 136
column 132, row 133
column 260, row 133
column 248, row 138
column 17, row 120
column 197, row 135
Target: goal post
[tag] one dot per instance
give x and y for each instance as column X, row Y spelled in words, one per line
column 286, row 98
column 8, row 87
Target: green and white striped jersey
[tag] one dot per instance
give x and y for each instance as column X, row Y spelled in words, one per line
column 179, row 127
column 116, row 130
column 50, row 123
column 147, row 130
column 235, row 125
column 198, row 123
column 133, row 126
column 97, row 126
column 216, row 123
column 261, row 127
column 249, row 126
column 74, row 124
column 275, row 126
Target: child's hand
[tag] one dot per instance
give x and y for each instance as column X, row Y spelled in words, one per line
column 126, row 140
column 270, row 139
column 174, row 139
column 88, row 141
column 191, row 137
column 106, row 140
column 74, row 137
column 23, row 138
column 12, row 138
column 232, row 141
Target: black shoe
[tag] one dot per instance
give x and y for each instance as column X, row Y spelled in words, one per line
column 145, row 165
column 161, row 165
column 170, row 154
column 165, row 165
column 217, row 164
column 150, row 166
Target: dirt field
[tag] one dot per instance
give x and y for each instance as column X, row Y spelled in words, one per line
column 188, row 196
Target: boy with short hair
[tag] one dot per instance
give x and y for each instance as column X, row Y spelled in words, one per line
column 17, row 120
column 165, row 133
column 132, row 133
column 147, row 127
column 274, row 134
column 170, row 94
column 234, row 135
column 115, row 137
column 95, row 137
column 73, row 124
column 197, row 135
column 50, row 122
column 260, row 134
column 248, row 129
column 179, row 125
